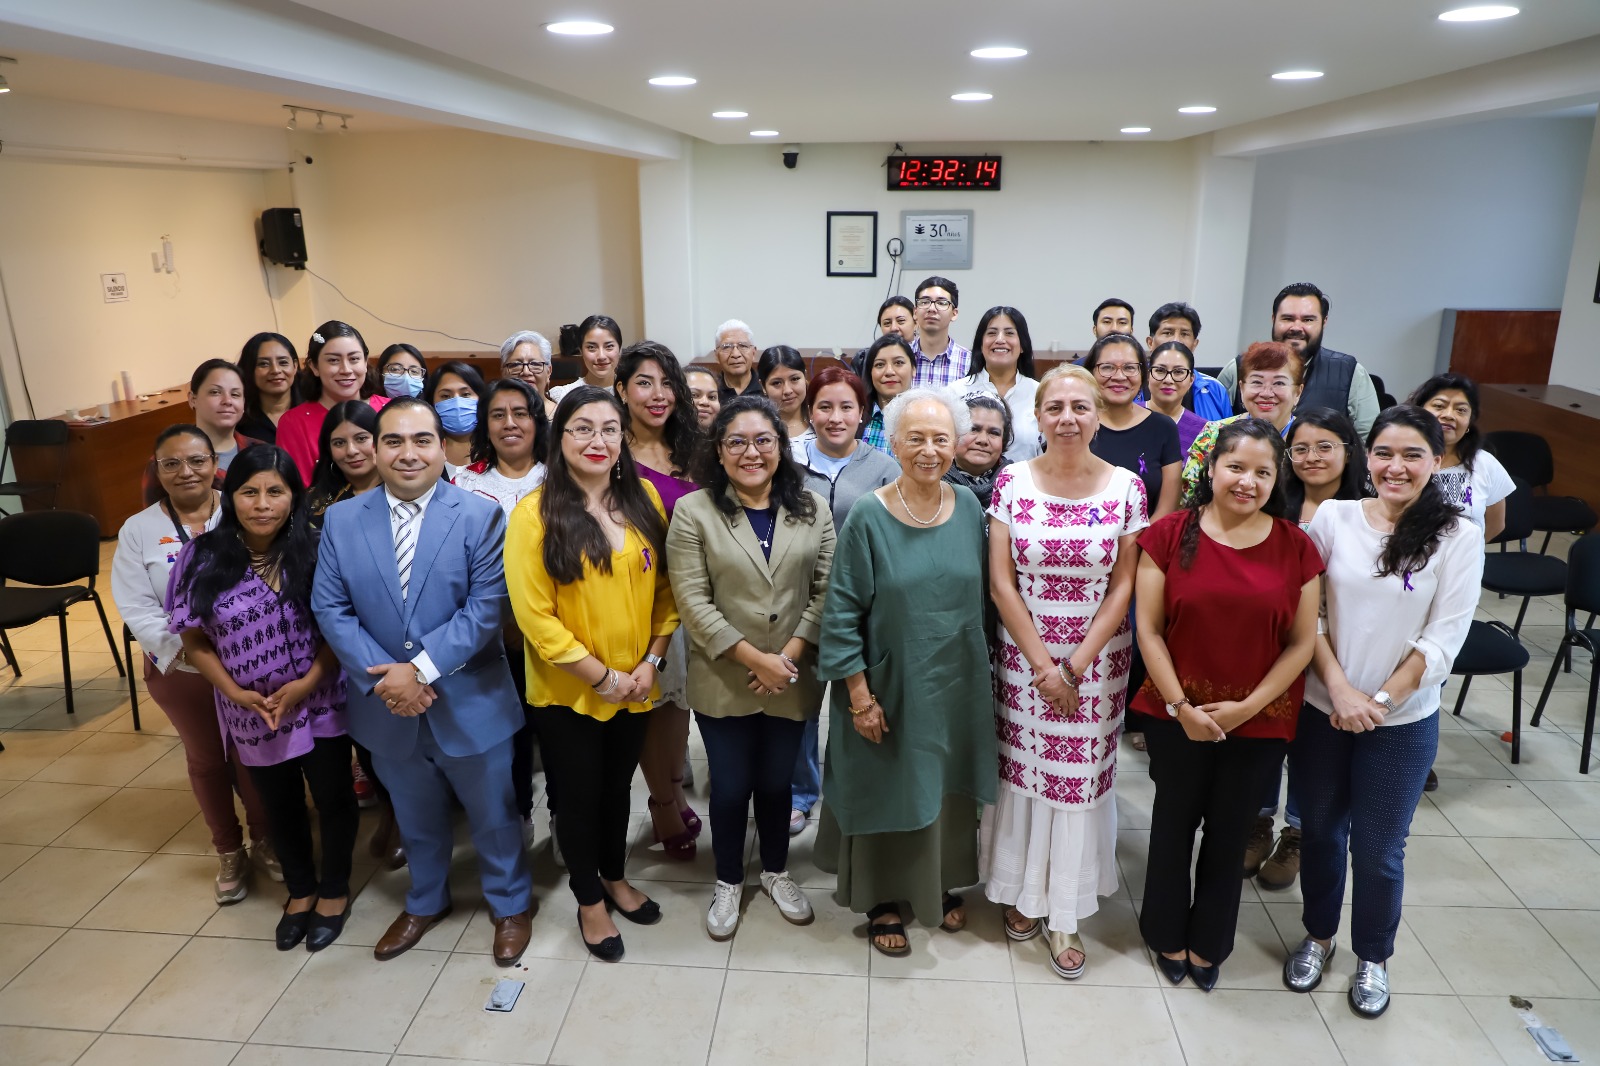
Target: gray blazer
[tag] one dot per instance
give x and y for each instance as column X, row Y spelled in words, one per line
column 727, row 591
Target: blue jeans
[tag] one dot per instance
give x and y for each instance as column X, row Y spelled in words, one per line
column 749, row 755
column 1360, row 791
column 807, row 783
column 1269, row 799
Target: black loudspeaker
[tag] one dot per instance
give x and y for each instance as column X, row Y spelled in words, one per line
column 570, row 340
column 283, row 238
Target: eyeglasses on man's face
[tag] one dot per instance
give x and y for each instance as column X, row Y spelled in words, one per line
column 939, row 302
column 736, row 346
column 197, row 463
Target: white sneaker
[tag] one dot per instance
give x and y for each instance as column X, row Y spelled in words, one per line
column 233, row 883
column 792, row 902
column 722, row 918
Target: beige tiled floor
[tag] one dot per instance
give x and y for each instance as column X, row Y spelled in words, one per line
column 112, row 952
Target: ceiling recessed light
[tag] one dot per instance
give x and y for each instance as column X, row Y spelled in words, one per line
column 1296, row 75
column 763, row 133
column 999, row 52
column 672, row 81
column 730, row 114
column 578, row 29
column 1196, row 109
column 1136, row 129
column 1481, row 13
column 971, row 98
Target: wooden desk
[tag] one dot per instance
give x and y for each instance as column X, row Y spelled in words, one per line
column 1568, row 418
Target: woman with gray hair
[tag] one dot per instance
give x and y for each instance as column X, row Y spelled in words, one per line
column 526, row 356
column 910, row 669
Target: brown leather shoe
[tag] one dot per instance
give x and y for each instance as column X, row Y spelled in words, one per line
column 511, row 937
column 385, row 844
column 404, row 933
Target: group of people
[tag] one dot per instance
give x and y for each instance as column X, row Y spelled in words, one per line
column 981, row 568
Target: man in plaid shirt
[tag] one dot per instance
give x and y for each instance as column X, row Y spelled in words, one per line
column 938, row 304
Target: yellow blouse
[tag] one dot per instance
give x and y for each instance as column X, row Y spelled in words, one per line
column 610, row 616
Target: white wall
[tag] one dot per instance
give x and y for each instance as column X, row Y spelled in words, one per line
column 1577, row 359
column 1396, row 228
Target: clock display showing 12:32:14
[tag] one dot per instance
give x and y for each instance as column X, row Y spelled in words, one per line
column 944, row 172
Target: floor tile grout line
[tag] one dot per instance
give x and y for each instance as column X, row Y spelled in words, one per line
column 1564, row 950
column 716, row 1017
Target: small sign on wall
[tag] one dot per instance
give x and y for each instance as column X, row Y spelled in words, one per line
column 116, row 287
column 935, row 239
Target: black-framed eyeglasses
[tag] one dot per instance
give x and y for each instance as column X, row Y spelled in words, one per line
column 1171, row 373
column 765, row 444
column 526, row 367
column 401, row 370
column 930, row 301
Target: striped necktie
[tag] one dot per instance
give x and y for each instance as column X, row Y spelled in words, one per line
column 405, row 541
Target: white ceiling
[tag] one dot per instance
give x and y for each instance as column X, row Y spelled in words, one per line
column 883, row 70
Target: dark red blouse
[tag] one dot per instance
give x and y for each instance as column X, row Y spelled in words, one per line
column 1229, row 616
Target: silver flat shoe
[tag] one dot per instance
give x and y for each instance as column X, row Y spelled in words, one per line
column 1369, row 992
column 1302, row 970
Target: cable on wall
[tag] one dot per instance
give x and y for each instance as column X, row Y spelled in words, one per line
column 397, row 325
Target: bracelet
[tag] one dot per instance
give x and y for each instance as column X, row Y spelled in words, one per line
column 606, row 684
column 872, row 701
column 1068, row 674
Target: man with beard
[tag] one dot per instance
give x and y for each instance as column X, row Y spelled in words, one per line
column 1331, row 379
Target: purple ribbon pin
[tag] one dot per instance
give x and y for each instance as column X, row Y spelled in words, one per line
column 647, row 558
column 1405, row 579
column 1141, row 465
column 1467, row 499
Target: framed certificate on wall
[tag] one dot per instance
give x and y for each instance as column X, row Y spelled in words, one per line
column 852, row 244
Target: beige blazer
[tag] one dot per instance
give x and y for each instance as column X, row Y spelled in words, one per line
column 727, row 591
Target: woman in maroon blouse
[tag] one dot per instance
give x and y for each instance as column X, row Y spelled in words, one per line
column 1227, row 595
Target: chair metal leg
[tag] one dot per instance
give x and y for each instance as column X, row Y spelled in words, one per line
column 133, row 686
column 1521, row 613
column 1466, row 683
column 105, row 624
column 1516, row 717
column 11, row 657
column 66, row 660
column 1543, row 547
column 1588, row 720
column 1550, row 681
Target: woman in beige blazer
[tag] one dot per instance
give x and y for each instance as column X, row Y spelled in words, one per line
column 749, row 561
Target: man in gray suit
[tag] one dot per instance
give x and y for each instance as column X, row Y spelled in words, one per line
column 410, row 591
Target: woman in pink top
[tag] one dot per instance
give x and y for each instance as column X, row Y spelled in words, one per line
column 336, row 371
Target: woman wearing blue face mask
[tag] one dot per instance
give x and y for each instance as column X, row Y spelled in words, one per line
column 403, row 370
column 453, row 389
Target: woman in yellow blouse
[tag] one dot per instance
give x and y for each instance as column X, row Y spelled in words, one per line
column 596, row 609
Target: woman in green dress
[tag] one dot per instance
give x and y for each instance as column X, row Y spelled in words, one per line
column 902, row 640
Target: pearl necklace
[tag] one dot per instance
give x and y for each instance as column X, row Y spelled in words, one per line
column 907, row 507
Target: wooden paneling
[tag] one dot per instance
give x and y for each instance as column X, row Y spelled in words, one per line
column 1568, row 418
column 1501, row 347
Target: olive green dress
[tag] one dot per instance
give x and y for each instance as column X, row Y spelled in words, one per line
column 899, row 819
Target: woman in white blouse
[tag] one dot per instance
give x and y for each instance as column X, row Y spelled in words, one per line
column 1401, row 589
column 147, row 546
column 1002, row 363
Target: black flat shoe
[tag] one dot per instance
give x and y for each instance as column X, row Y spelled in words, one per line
column 1174, row 970
column 325, row 928
column 608, row 950
column 1205, row 977
column 292, row 929
column 647, row 913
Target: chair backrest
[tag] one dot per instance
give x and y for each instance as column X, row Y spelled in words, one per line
column 1583, row 574
column 1526, row 456
column 49, row 547
column 36, row 432
column 1519, row 515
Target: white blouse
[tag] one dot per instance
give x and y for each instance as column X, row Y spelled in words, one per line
column 494, row 485
column 1024, row 423
column 147, row 547
column 1375, row 622
column 1478, row 490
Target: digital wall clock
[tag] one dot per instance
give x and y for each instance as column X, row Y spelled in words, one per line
column 944, row 172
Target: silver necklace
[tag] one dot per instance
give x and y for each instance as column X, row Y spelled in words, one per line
column 907, row 507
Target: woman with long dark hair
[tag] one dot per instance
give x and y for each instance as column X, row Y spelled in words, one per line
column 269, row 366
column 240, row 597
column 1171, row 383
column 1227, row 608
column 1002, row 363
column 782, row 373
column 599, row 346
column 588, row 585
column 346, row 458
column 1470, row 478
column 453, row 389
column 336, row 370
column 1403, row 576
column 890, row 364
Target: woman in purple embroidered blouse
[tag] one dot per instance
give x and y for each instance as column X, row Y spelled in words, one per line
column 239, row 596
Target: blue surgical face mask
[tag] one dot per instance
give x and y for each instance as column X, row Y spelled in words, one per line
column 401, row 385
column 459, row 414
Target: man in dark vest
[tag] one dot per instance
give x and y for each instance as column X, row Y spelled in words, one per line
column 1332, row 379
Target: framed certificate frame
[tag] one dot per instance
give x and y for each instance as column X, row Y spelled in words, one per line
column 852, row 244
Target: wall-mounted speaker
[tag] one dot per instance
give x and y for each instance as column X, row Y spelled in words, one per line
column 283, row 237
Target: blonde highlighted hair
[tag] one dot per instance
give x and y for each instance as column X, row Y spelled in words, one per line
column 1073, row 372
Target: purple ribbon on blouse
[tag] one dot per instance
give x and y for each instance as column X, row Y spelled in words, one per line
column 1141, row 465
column 647, row 558
column 1406, row 580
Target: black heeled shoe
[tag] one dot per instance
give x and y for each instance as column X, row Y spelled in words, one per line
column 647, row 913
column 1205, row 977
column 1174, row 970
column 608, row 950
column 325, row 928
column 292, row 929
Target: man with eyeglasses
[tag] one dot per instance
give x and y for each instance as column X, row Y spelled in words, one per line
column 1330, row 379
column 1180, row 322
column 938, row 303
column 736, row 357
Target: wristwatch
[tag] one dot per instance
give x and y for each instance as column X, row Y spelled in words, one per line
column 1384, row 700
column 654, row 660
column 1172, row 708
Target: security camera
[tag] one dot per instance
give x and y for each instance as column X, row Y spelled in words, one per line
column 791, row 155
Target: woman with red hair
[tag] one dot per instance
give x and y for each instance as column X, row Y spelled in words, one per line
column 1272, row 376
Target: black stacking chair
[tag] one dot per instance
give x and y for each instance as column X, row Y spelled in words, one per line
column 35, row 433
column 1583, row 594
column 133, row 678
column 1493, row 648
column 1521, row 573
column 1527, row 458
column 49, row 549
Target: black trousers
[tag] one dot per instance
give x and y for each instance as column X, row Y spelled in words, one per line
column 749, row 756
column 591, row 764
column 1200, row 781
column 326, row 770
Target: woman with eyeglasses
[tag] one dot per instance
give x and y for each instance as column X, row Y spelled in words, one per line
column 1131, row 436
column 1271, row 380
column 336, row 371
column 782, row 373
column 1470, row 477
column 890, row 365
column 216, row 395
column 403, row 370
column 1002, row 363
column 589, row 589
column 1171, row 380
column 599, row 346
column 268, row 364
column 147, row 548
column 526, row 356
